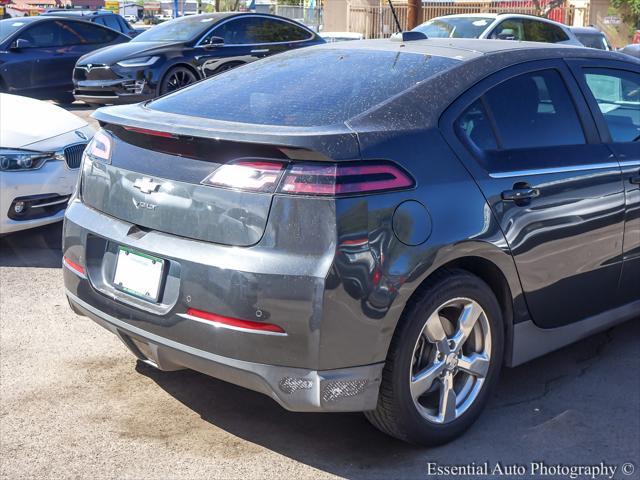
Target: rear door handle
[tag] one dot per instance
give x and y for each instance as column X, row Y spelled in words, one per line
column 520, row 194
column 260, row 50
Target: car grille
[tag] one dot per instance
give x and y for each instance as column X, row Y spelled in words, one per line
column 97, row 72
column 73, row 155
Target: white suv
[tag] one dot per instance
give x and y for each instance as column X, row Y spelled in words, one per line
column 499, row 26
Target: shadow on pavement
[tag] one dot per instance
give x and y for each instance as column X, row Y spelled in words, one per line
column 38, row 247
column 547, row 409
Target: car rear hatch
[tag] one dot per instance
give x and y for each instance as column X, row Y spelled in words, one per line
column 156, row 177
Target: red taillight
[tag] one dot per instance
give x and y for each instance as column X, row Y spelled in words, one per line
column 325, row 179
column 153, row 133
column 235, row 322
column 79, row 269
column 247, row 175
column 100, row 146
column 343, row 179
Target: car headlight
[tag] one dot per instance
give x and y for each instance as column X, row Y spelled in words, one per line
column 15, row 160
column 138, row 62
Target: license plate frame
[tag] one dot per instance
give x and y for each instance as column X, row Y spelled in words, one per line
column 149, row 271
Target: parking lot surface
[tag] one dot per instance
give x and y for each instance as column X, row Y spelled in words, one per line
column 74, row 403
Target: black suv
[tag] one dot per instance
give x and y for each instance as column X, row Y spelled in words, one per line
column 181, row 51
column 101, row 17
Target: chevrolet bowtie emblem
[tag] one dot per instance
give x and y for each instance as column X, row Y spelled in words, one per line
column 146, row 185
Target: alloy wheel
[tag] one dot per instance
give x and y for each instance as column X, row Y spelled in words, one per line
column 178, row 79
column 450, row 360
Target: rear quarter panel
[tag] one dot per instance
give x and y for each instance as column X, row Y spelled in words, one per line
column 385, row 272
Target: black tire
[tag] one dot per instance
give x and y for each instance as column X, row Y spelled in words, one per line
column 396, row 413
column 175, row 79
column 64, row 99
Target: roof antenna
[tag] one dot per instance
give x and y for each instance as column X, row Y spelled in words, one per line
column 403, row 36
column 395, row 16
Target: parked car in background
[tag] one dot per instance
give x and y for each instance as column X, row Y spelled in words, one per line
column 384, row 241
column 633, row 50
column 38, row 54
column 499, row 26
column 182, row 51
column 100, row 17
column 131, row 18
column 41, row 147
column 591, row 37
column 332, row 37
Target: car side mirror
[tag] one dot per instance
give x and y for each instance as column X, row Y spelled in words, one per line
column 20, row 43
column 214, row 42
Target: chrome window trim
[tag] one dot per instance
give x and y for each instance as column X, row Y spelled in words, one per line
column 630, row 163
column 212, row 29
column 551, row 170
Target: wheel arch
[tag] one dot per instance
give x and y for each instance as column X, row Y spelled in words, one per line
column 176, row 65
column 498, row 272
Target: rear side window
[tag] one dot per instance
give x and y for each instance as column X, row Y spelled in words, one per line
column 85, row 33
column 618, row 95
column 44, row 34
column 475, row 127
column 307, row 87
column 254, row 30
column 512, row 29
column 535, row 31
column 268, row 30
column 528, row 111
column 593, row 40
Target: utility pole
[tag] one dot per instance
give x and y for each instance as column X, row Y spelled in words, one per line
column 413, row 13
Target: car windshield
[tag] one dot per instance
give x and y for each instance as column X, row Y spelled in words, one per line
column 179, row 30
column 455, row 27
column 307, row 87
column 9, row 26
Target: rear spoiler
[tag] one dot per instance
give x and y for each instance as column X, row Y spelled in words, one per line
column 335, row 143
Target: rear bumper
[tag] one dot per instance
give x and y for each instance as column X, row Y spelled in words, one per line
column 295, row 389
column 332, row 354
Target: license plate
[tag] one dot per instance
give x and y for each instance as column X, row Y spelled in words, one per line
column 138, row 274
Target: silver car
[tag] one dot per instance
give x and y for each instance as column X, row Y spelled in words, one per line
column 499, row 26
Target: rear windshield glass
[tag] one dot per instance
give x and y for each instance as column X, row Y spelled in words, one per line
column 309, row 87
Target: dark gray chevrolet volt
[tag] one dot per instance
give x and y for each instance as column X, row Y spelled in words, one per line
column 376, row 227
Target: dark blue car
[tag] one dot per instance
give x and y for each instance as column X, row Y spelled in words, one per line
column 37, row 54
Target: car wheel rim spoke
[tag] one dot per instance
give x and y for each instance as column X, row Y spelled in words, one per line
column 448, row 399
column 435, row 333
column 476, row 364
column 451, row 360
column 467, row 320
column 425, row 378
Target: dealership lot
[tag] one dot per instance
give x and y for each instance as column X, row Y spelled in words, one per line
column 75, row 403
